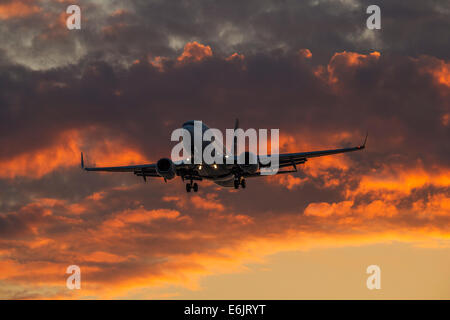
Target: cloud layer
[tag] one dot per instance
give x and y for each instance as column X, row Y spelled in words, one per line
column 118, row 88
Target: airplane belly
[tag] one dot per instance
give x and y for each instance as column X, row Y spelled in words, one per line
column 225, row 183
column 219, row 174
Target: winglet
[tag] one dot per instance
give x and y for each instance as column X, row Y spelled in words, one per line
column 365, row 140
column 82, row 161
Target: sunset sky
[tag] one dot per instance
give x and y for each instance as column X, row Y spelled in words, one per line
column 117, row 88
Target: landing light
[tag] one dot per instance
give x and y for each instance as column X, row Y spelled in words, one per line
column 215, row 166
column 200, row 167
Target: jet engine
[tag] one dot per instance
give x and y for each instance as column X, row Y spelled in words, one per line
column 165, row 168
column 248, row 162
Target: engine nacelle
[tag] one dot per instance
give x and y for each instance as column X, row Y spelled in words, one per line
column 165, row 168
column 248, row 162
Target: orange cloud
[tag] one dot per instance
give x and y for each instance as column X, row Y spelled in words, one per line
column 208, row 203
column 157, row 62
column 194, row 51
column 35, row 164
column 347, row 208
column 119, row 12
column 181, row 255
column 445, row 119
column 65, row 153
column 439, row 69
column 324, row 209
column 235, row 56
column 392, row 181
column 140, row 216
column 111, row 30
column 287, row 180
column 17, row 9
column 437, row 206
column 305, row 53
column 304, row 141
column 104, row 257
column 443, row 74
column 343, row 62
column 353, row 58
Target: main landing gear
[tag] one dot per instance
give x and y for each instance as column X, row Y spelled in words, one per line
column 192, row 186
column 238, row 183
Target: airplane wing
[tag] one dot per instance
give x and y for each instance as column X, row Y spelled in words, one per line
column 143, row 170
column 292, row 159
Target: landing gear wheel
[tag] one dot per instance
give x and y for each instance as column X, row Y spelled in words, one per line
column 243, row 184
column 188, row 187
column 195, row 187
column 236, row 184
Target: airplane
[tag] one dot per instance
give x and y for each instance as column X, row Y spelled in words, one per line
column 225, row 175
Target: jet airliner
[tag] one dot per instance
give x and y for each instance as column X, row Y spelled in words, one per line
column 225, row 175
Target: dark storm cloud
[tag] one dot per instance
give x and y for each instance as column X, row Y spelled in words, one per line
column 408, row 27
column 15, row 225
column 120, row 31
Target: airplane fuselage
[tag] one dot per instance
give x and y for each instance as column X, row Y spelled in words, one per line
column 222, row 174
